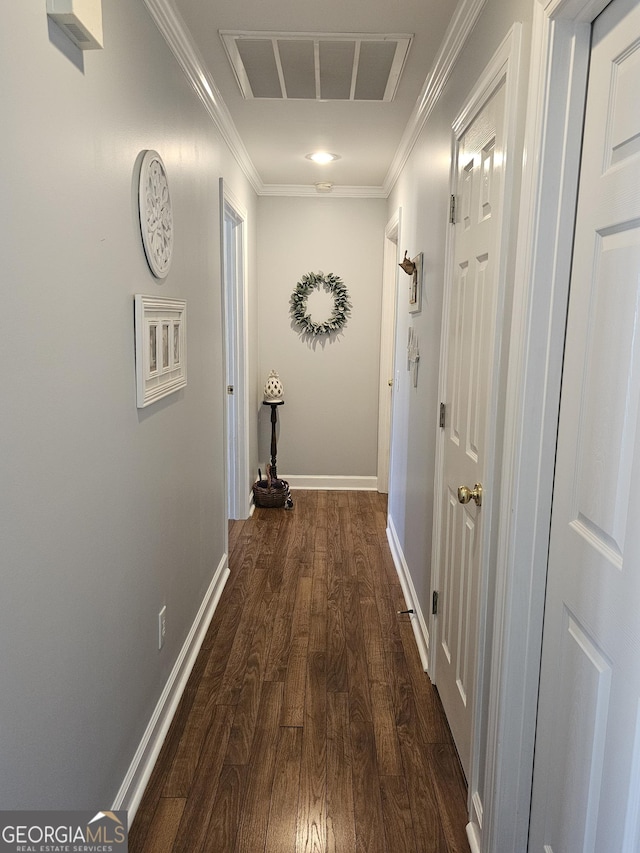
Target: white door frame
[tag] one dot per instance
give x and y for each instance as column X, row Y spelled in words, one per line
column 503, row 69
column 555, row 111
column 234, row 307
column 387, row 346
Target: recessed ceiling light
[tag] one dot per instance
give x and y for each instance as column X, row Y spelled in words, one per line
column 322, row 157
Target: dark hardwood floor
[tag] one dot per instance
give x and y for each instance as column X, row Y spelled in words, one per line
column 308, row 724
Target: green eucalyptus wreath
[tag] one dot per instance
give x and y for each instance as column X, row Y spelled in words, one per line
column 341, row 303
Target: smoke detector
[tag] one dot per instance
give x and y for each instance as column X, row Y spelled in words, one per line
column 80, row 20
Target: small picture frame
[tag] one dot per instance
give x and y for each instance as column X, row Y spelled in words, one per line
column 415, row 286
column 161, row 347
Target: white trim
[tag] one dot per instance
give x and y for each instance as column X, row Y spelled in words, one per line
column 474, row 840
column 502, row 69
column 418, row 622
column 307, row 190
column 330, row 482
column 505, row 65
column 236, row 406
column 391, row 250
column 176, row 34
column 394, row 481
column 458, row 31
column 477, row 812
column 555, row 109
column 140, row 769
column 499, row 68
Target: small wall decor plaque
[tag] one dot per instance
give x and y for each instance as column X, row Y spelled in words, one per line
column 413, row 355
column 161, row 347
column 156, row 218
column 415, row 286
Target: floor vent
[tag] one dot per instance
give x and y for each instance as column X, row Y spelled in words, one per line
column 317, row 66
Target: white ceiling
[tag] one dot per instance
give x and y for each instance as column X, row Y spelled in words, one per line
column 317, row 66
column 277, row 134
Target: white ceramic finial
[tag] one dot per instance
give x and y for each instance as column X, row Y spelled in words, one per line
column 273, row 389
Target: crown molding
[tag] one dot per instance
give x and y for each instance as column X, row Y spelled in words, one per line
column 175, row 33
column 307, row 191
column 458, row 31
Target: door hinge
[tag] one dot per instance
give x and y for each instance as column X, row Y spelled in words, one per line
column 434, row 603
column 230, row 389
column 443, row 414
column 452, row 210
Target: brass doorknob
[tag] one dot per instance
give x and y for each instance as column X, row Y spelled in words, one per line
column 465, row 494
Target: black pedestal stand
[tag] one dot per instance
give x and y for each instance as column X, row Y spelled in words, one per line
column 274, row 450
column 274, row 420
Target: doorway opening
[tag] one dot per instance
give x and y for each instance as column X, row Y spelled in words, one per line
column 387, row 348
column 467, row 482
column 233, row 254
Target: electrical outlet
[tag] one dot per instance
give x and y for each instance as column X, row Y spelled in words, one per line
column 162, row 626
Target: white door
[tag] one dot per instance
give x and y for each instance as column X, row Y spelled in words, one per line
column 586, row 788
column 387, row 348
column 233, row 220
column 469, row 364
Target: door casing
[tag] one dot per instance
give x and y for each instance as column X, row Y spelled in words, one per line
column 503, row 69
column 233, row 253
column 387, row 348
column 561, row 32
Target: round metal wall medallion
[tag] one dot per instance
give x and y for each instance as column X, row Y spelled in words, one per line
column 156, row 220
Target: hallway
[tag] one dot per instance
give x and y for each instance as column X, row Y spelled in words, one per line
column 307, row 723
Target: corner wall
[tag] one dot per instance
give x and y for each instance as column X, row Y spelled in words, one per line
column 422, row 192
column 328, row 426
column 107, row 512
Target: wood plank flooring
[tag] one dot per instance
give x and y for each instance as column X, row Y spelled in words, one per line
column 307, row 725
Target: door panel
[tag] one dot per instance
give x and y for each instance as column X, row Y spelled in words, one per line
column 238, row 481
column 387, row 349
column 586, row 790
column 470, row 355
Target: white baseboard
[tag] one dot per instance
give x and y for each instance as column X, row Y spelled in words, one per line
column 417, row 619
column 474, row 827
column 132, row 788
column 472, row 835
column 312, row 481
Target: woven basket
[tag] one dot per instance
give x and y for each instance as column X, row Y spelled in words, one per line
column 271, row 492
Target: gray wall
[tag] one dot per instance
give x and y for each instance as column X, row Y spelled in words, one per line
column 107, row 512
column 422, row 192
column 329, row 424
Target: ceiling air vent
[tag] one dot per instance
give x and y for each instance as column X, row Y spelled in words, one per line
column 317, row 66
